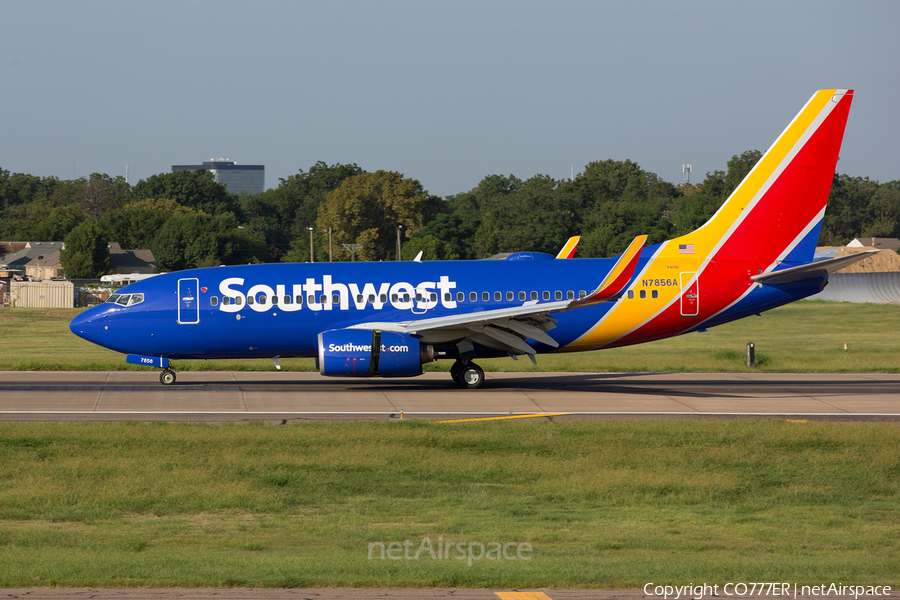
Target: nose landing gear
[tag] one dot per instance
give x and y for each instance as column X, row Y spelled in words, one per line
column 167, row 377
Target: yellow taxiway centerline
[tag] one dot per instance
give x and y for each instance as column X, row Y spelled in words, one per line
column 506, row 417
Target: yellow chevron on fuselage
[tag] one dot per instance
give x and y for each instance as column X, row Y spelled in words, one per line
column 666, row 274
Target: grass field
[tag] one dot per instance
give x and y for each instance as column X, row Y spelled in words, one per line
column 801, row 337
column 601, row 504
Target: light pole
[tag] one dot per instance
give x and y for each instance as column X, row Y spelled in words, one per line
column 352, row 248
column 399, row 227
column 330, row 231
column 311, row 257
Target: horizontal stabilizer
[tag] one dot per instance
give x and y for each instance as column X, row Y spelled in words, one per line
column 617, row 279
column 817, row 269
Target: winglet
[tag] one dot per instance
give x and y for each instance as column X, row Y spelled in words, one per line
column 568, row 251
column 618, row 277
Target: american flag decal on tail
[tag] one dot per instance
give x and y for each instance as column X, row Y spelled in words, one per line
column 685, row 248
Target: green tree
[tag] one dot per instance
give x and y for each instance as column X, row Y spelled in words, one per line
column 193, row 189
column 50, row 214
column 101, row 194
column 191, row 239
column 136, row 225
column 367, row 208
column 532, row 215
column 282, row 214
column 86, row 253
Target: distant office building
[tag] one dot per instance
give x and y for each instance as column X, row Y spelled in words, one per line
column 236, row 178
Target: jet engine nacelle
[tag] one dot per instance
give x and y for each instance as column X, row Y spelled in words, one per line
column 368, row 353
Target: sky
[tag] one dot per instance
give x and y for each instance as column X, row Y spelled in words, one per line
column 444, row 92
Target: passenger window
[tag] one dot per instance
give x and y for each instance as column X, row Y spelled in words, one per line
column 213, row 300
column 262, row 299
column 473, row 296
column 497, row 296
column 274, row 299
column 521, row 296
column 239, row 300
column 336, row 299
column 359, row 298
column 582, row 294
column 447, row 297
column 485, row 296
column 654, row 294
column 546, row 295
column 299, row 299
column 371, row 298
column 323, row 299
column 250, row 300
column 558, row 295
column 433, row 297
column 460, row 297
column 406, row 297
column 311, row 299
column 631, row 294
column 383, row 298
column 226, row 300
column 534, row 296
column 509, row 296
column 570, row 295
column 643, row 294
column 287, row 299
column 418, row 297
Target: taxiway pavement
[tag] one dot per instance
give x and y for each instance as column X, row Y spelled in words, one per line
column 283, row 396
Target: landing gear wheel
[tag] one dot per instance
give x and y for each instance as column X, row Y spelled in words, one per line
column 454, row 370
column 470, row 376
column 167, row 377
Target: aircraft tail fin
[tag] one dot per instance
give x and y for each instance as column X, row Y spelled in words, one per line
column 773, row 217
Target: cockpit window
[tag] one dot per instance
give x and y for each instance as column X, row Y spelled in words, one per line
column 125, row 299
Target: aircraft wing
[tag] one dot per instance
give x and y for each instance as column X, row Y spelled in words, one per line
column 817, row 269
column 506, row 329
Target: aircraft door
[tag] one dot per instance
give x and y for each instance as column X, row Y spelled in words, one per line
column 188, row 301
column 690, row 295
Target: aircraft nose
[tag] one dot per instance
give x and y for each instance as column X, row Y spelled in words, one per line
column 86, row 325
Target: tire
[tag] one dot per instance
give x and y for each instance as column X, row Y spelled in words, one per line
column 454, row 371
column 470, row 377
column 167, row 377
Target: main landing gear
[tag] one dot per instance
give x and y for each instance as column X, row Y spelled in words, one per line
column 167, row 377
column 467, row 375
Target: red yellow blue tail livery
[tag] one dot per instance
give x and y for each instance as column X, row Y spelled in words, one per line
column 387, row 319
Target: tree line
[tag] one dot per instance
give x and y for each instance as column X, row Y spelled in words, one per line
column 189, row 220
